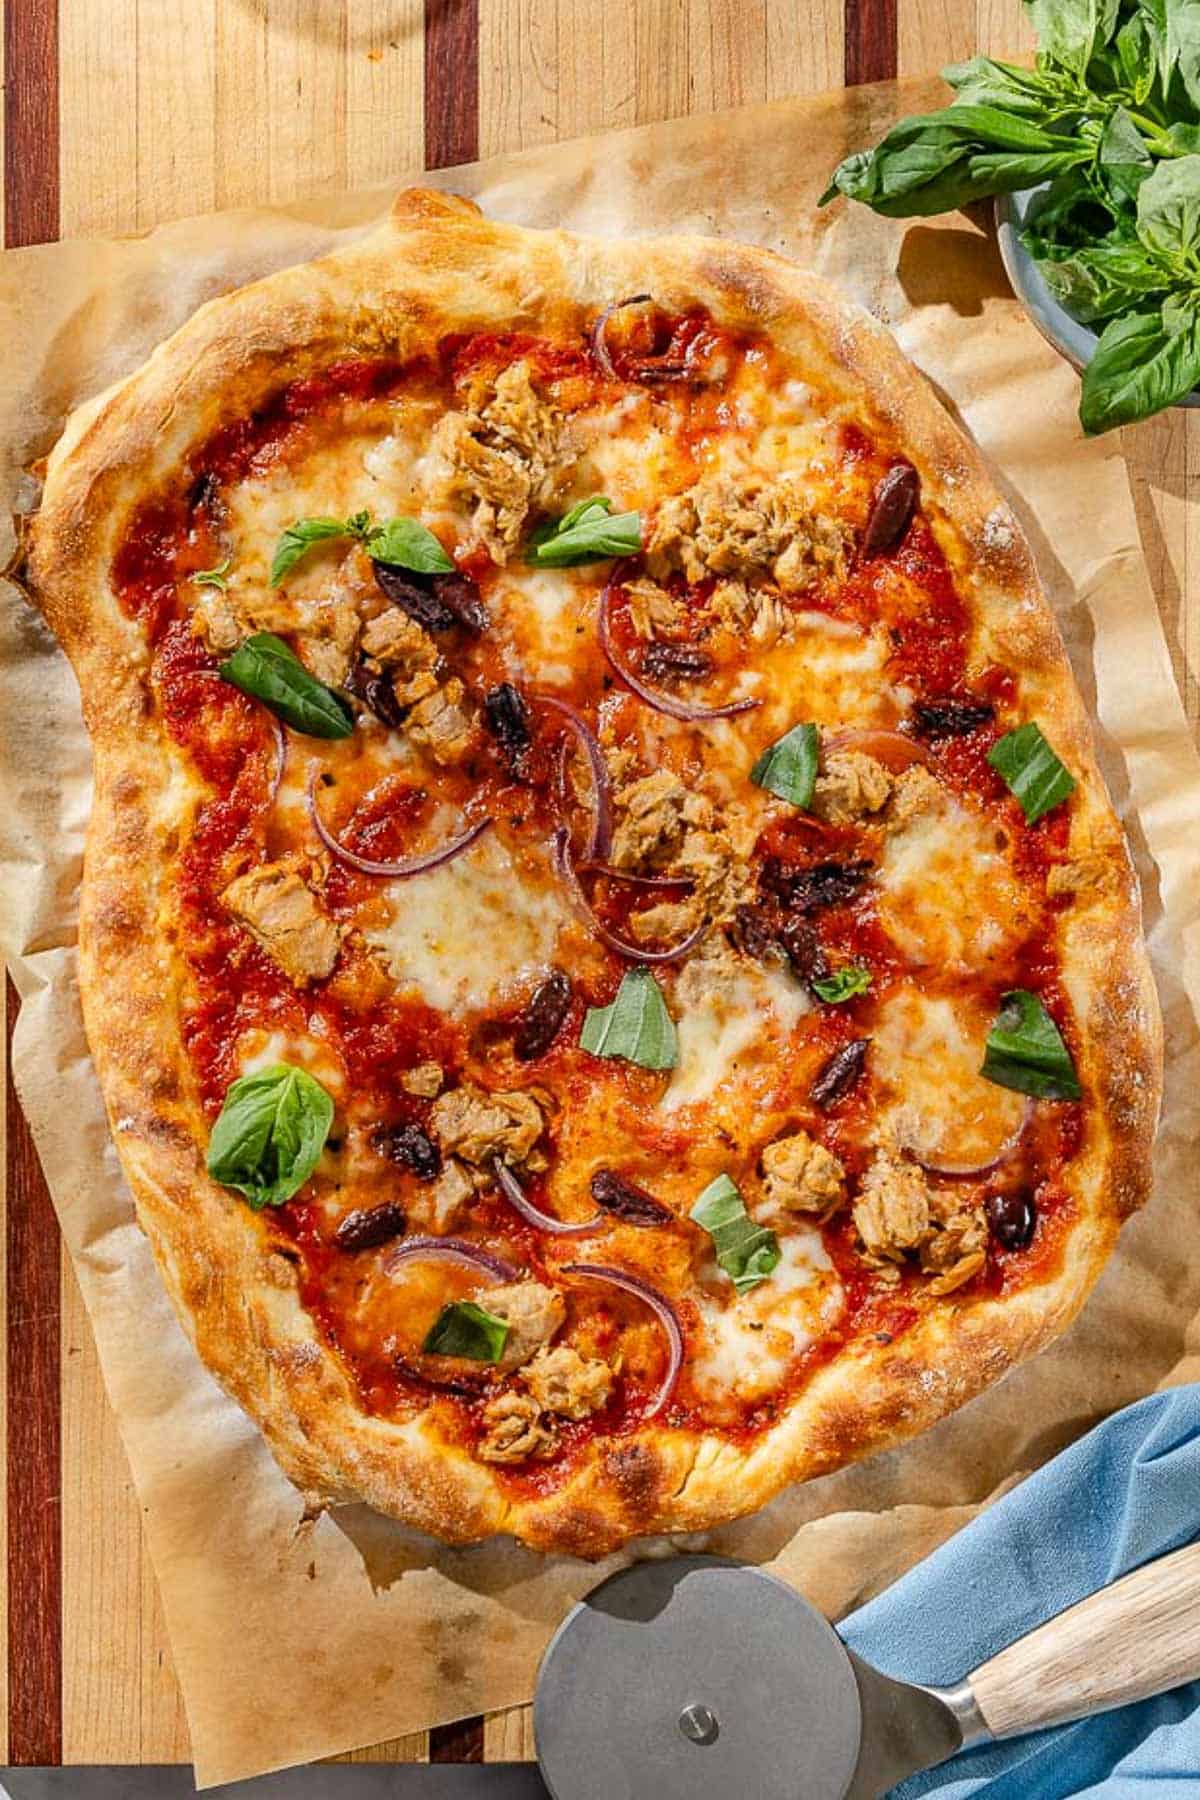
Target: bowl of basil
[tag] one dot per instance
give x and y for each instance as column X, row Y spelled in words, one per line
column 1093, row 158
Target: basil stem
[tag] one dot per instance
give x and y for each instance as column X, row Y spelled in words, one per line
column 265, row 668
column 270, row 1133
column 217, row 577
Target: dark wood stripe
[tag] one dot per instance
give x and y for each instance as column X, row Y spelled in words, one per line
column 34, row 1449
column 30, row 121
column 452, row 136
column 451, row 82
column 870, row 52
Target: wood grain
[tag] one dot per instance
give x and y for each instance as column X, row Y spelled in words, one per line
column 1141, row 1636
column 123, row 113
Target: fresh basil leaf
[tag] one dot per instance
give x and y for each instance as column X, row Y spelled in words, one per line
column 265, row 668
column 590, row 532
column 406, row 544
column 1106, row 279
column 1168, row 211
column 635, row 1025
column 984, row 82
column 1031, row 770
column 300, row 537
column 1025, row 1050
column 843, row 984
column 789, row 767
column 1122, row 157
column 1181, row 139
column 464, row 1329
column 217, row 577
column 1138, row 367
column 1137, row 56
column 1068, row 31
column 270, row 1134
column 747, row 1252
column 1178, row 24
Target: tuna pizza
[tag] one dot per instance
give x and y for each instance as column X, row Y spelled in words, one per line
column 615, row 978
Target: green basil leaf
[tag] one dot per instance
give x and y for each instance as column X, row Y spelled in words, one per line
column 1106, row 279
column 1168, row 211
column 1122, row 156
column 747, row 1252
column 1032, row 770
column 406, row 544
column 1137, row 56
column 590, row 532
column 843, row 984
column 464, row 1329
column 1138, row 367
column 300, row 537
column 984, row 82
column 217, row 577
column 270, row 1133
column 264, row 667
column 789, row 768
column 1068, row 30
column 1025, row 1050
column 635, row 1025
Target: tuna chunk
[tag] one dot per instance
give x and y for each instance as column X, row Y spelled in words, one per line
column 398, row 644
column 850, row 786
column 748, row 528
column 478, row 1126
column 533, row 1312
column 516, row 1431
column 563, row 1382
column 892, row 1212
column 282, row 914
column 802, row 1176
column 504, row 454
column 441, row 724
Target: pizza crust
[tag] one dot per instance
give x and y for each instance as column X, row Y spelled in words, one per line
column 438, row 266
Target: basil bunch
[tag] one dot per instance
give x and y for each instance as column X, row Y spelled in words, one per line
column 1109, row 120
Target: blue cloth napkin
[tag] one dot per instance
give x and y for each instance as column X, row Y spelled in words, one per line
column 1127, row 1492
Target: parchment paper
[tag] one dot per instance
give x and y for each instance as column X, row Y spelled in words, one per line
column 292, row 1641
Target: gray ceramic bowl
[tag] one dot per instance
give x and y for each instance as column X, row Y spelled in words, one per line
column 1071, row 339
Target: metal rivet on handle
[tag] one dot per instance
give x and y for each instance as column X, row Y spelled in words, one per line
column 699, row 1724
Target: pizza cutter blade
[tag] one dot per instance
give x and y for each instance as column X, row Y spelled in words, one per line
column 696, row 1674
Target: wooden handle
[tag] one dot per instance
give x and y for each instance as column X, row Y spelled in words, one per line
column 1138, row 1637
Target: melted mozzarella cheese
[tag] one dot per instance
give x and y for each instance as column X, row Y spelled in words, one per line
column 465, row 933
column 549, row 613
column 749, row 1342
column 728, row 1023
column 926, row 1054
column 258, row 1050
column 947, row 891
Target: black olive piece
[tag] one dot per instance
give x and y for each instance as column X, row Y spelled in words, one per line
column 625, row 1200
column 804, row 949
column 951, row 718
column 376, row 693
column 675, row 662
column 1012, row 1218
column 892, row 506
column 428, row 609
column 542, row 1019
column 409, row 1145
column 824, row 884
column 749, row 931
column 839, row 1073
column 369, row 1226
column 461, row 596
column 507, row 717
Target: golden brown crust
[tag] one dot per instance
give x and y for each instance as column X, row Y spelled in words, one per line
column 438, row 266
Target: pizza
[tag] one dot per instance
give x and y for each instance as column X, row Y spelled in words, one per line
column 616, row 982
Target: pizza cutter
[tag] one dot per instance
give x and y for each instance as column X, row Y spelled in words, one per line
column 700, row 1675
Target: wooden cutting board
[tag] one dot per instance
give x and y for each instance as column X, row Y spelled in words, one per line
column 122, row 113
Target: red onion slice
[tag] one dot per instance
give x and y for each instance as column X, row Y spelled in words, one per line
column 663, row 703
column 533, row 1215
column 662, row 1309
column 600, row 330
column 612, row 873
column 413, row 865
column 450, row 1249
column 621, row 946
column 989, row 1163
column 600, row 836
column 895, row 751
column 276, row 778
